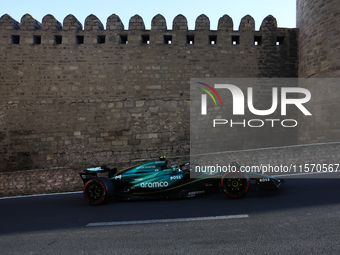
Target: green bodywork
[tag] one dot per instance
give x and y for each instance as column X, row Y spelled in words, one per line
column 150, row 175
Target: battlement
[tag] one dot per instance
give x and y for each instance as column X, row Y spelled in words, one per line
column 71, row 31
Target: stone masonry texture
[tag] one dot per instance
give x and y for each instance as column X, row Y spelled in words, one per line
column 116, row 97
column 319, row 38
column 319, row 54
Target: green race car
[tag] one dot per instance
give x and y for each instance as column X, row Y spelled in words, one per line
column 155, row 179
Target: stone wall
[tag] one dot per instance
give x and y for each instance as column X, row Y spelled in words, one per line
column 319, row 51
column 319, row 38
column 74, row 97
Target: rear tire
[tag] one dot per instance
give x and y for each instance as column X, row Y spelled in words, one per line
column 98, row 190
column 235, row 184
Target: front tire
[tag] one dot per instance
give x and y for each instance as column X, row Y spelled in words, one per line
column 98, row 190
column 235, row 184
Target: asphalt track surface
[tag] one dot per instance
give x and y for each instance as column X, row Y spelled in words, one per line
column 303, row 217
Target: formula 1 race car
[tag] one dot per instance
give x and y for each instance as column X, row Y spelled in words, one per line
column 155, row 180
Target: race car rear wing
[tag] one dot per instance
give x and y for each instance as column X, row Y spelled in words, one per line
column 90, row 173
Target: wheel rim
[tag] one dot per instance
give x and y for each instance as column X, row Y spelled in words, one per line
column 95, row 192
column 235, row 186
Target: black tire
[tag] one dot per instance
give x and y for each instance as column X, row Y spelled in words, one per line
column 98, row 190
column 235, row 184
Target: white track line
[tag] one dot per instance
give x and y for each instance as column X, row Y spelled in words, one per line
column 42, row 195
column 287, row 175
column 115, row 223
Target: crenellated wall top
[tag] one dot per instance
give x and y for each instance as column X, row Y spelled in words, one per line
column 113, row 22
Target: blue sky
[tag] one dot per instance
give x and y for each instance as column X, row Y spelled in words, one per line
column 283, row 10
